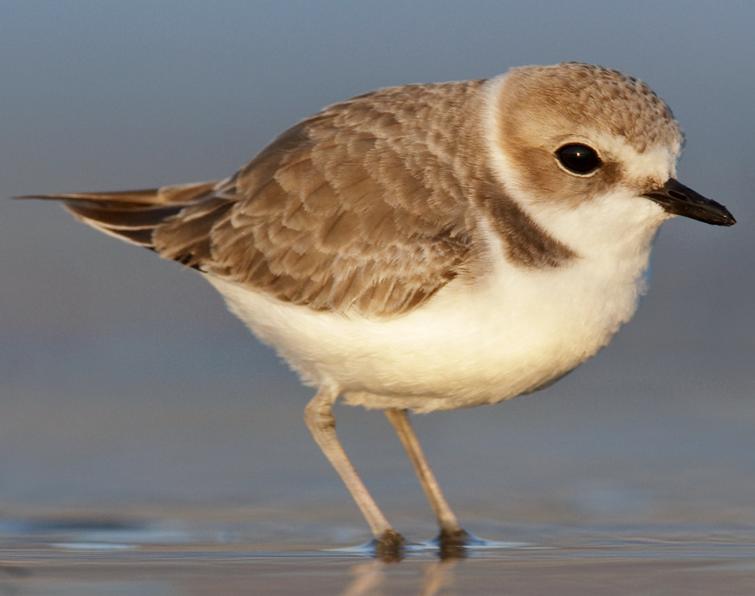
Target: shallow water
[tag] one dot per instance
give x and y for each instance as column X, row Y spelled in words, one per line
column 596, row 492
column 79, row 553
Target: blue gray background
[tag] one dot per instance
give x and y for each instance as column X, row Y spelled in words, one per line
column 123, row 380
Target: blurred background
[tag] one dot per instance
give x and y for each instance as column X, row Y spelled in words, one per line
column 125, row 384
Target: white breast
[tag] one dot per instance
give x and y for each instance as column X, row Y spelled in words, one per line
column 471, row 344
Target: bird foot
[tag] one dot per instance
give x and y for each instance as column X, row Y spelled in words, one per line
column 452, row 543
column 389, row 546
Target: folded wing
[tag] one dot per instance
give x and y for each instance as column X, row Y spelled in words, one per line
column 348, row 210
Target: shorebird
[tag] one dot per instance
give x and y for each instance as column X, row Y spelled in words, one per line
column 432, row 246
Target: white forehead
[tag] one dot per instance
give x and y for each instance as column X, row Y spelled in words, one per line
column 657, row 162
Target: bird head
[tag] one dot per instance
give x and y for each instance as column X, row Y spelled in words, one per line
column 581, row 139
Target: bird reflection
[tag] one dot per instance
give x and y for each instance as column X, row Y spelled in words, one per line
column 369, row 578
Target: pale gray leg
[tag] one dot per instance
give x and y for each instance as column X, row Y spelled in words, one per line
column 450, row 530
column 322, row 424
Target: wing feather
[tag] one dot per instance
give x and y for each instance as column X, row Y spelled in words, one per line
column 358, row 208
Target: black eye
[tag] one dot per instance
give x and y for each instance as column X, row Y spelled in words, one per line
column 579, row 159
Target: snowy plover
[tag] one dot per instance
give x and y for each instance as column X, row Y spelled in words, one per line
column 431, row 247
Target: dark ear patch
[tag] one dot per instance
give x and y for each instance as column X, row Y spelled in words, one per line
column 609, row 175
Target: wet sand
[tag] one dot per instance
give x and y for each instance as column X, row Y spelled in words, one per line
column 76, row 553
column 237, row 572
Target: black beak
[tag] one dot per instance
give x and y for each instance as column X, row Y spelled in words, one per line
column 676, row 198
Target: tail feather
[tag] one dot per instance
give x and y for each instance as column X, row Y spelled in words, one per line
column 119, row 216
column 165, row 195
column 147, row 196
column 132, row 215
column 140, row 237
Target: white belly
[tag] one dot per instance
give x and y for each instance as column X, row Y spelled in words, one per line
column 509, row 334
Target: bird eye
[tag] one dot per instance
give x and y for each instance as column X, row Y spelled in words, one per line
column 578, row 159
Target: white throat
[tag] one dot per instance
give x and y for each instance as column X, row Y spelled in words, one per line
column 615, row 226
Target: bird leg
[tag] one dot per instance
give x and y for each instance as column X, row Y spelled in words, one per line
column 451, row 533
column 318, row 415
